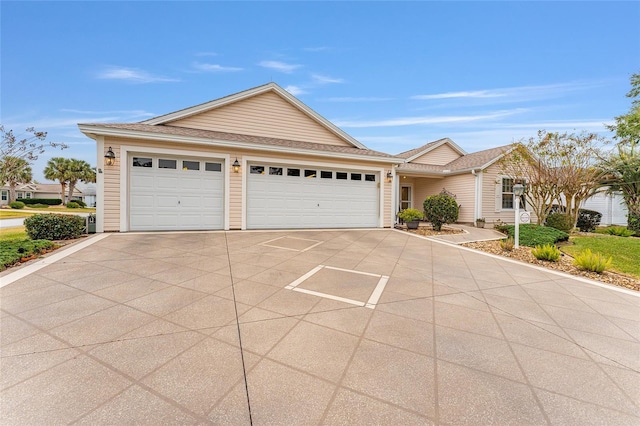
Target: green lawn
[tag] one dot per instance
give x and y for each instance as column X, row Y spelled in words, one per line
column 624, row 251
column 10, row 234
column 11, row 214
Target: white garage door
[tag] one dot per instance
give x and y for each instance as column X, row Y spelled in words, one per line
column 171, row 193
column 283, row 196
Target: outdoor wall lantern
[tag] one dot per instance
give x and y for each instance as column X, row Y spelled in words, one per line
column 518, row 190
column 236, row 166
column 389, row 176
column 110, row 157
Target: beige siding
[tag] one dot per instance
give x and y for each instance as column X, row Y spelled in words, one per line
column 423, row 187
column 263, row 115
column 442, row 155
column 490, row 210
column 463, row 186
column 112, row 176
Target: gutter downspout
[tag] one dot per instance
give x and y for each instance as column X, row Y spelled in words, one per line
column 476, row 213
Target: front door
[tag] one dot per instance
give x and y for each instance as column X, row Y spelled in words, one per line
column 405, row 197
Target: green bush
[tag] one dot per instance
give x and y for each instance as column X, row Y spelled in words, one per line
column 440, row 209
column 12, row 251
column 619, row 231
column 16, row 205
column 633, row 222
column 546, row 252
column 73, row 205
column 47, row 201
column 588, row 220
column 54, row 226
column 409, row 215
column 560, row 221
column 80, row 203
column 532, row 235
column 593, row 262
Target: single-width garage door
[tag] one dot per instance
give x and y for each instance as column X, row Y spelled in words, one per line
column 289, row 196
column 175, row 193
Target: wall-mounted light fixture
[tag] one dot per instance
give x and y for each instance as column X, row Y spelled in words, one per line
column 236, row 166
column 389, row 176
column 110, row 157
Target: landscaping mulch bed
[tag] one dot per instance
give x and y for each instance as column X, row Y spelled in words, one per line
column 428, row 231
column 565, row 264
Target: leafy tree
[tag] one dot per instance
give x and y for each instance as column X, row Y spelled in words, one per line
column 57, row 169
column 78, row 170
column 622, row 165
column 14, row 171
column 557, row 168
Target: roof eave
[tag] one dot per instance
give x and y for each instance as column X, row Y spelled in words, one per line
column 91, row 131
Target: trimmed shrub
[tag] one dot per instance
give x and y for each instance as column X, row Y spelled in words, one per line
column 80, row 203
column 588, row 220
column 546, row 252
column 532, row 235
column 593, row 262
column 54, row 226
column 16, row 205
column 409, row 215
column 73, row 205
column 47, row 201
column 440, row 209
column 560, row 221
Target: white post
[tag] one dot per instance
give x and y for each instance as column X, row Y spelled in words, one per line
column 517, row 230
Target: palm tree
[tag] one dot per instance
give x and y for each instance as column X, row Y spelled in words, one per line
column 14, row 170
column 56, row 169
column 78, row 170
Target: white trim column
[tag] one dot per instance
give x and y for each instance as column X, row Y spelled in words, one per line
column 100, row 184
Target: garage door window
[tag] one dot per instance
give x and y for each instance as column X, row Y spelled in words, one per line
column 356, row 176
column 167, row 164
column 275, row 171
column 213, row 167
column 190, row 165
column 257, row 170
column 310, row 173
column 293, row 172
column 142, row 162
column 370, row 178
column 326, row 175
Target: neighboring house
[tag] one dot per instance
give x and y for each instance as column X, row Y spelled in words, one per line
column 612, row 206
column 88, row 191
column 36, row 190
column 261, row 159
column 474, row 179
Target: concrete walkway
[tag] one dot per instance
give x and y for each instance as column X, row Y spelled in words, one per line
column 310, row 327
column 470, row 234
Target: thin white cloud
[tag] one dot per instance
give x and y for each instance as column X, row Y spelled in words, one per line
column 295, row 90
column 213, row 67
column 132, row 75
column 280, row 66
column 128, row 113
column 356, row 99
column 323, row 79
column 413, row 121
column 514, row 94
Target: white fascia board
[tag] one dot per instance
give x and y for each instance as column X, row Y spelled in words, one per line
column 87, row 129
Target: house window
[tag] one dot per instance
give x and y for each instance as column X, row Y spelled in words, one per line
column 508, row 199
column 309, row 173
column 341, row 175
column 256, row 170
column 167, row 164
column 190, row 165
column 19, row 194
column 28, row 195
column 213, row 167
column 293, row 172
column 275, row 171
column 326, row 175
column 142, row 162
column 5, row 195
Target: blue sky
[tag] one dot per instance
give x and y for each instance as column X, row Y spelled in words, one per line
column 394, row 75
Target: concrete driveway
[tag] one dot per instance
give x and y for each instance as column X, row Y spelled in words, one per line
column 310, row 327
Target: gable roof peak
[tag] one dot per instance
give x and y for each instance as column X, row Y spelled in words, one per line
column 412, row 154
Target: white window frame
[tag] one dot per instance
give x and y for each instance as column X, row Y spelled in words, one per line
column 5, row 195
column 410, row 200
column 523, row 203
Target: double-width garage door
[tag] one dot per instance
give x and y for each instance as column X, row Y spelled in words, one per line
column 175, row 193
column 289, row 196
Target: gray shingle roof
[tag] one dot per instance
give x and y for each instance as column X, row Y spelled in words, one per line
column 477, row 159
column 259, row 140
column 414, row 151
